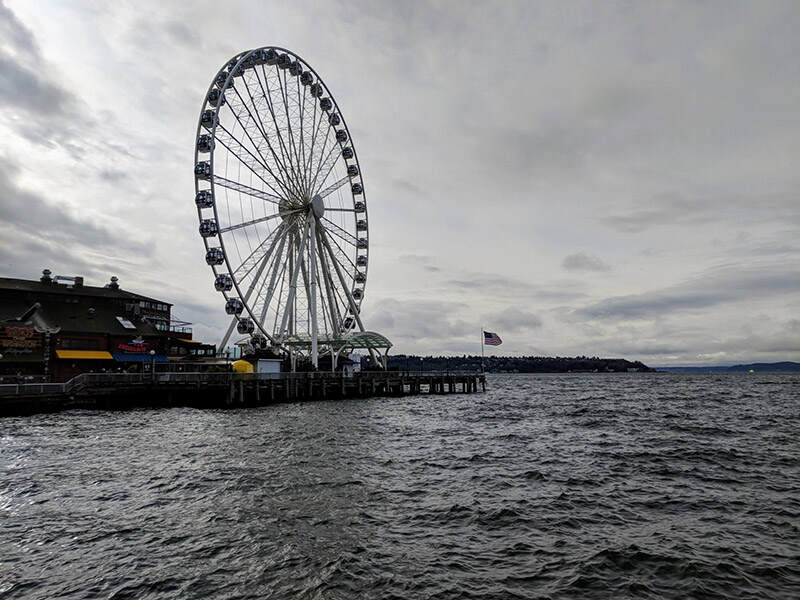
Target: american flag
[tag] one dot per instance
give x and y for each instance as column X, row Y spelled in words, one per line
column 491, row 339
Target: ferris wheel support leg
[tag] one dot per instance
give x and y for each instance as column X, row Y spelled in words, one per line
column 314, row 327
column 227, row 336
column 272, row 281
column 293, row 283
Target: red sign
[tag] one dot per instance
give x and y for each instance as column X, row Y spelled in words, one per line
column 136, row 345
column 19, row 339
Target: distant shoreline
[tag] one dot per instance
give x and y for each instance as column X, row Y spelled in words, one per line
column 517, row 364
column 776, row 367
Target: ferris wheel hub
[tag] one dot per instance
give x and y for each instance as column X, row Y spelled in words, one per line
column 318, row 206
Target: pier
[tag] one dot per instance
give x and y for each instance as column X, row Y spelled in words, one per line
column 117, row 391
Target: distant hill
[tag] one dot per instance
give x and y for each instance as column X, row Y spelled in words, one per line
column 785, row 367
column 778, row 366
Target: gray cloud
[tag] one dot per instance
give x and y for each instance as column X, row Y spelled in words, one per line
column 47, row 113
column 507, row 287
column 421, row 320
column 513, row 319
column 672, row 208
column 27, row 211
column 16, row 34
column 180, row 32
column 26, row 89
column 584, row 262
column 407, row 186
column 113, row 175
column 714, row 287
column 416, row 258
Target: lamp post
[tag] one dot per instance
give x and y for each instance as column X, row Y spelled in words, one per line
column 153, row 365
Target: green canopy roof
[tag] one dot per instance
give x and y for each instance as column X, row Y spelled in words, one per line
column 356, row 340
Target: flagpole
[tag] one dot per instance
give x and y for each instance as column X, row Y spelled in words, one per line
column 483, row 367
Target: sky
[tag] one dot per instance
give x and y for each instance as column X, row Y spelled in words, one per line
column 619, row 179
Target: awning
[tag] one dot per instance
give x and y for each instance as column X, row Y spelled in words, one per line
column 139, row 357
column 84, row 354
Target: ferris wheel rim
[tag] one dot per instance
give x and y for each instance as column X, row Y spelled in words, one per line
column 238, row 61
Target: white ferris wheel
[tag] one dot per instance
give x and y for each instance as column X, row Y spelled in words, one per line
column 282, row 207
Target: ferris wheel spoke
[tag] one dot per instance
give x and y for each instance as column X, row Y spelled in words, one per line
column 262, row 129
column 302, row 105
column 292, row 164
column 333, row 187
column 256, row 167
column 352, row 210
column 255, row 221
column 344, row 254
column 324, row 142
column 336, row 321
column 250, row 191
column 267, row 95
column 320, row 162
column 351, row 301
column 313, row 137
column 339, row 248
column 326, row 166
column 263, row 133
column 290, row 134
column 277, row 234
column 263, row 162
column 341, row 233
column 326, row 310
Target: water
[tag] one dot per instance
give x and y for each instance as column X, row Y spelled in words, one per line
column 576, row 486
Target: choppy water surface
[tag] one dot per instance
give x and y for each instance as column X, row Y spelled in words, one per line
column 580, row 486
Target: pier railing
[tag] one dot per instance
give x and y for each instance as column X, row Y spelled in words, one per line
column 13, row 389
column 103, row 380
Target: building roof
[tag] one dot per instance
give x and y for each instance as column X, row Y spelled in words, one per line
column 77, row 318
column 39, row 287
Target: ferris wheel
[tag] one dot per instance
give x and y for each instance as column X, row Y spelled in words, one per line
column 281, row 203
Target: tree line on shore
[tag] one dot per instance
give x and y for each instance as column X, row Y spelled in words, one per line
column 515, row 364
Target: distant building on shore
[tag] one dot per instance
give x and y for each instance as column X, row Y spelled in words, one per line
column 57, row 327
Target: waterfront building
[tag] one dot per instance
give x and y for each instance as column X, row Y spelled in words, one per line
column 58, row 327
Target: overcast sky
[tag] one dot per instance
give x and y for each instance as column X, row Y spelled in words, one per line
column 599, row 178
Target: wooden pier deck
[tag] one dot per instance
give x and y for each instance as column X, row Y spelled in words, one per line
column 225, row 390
